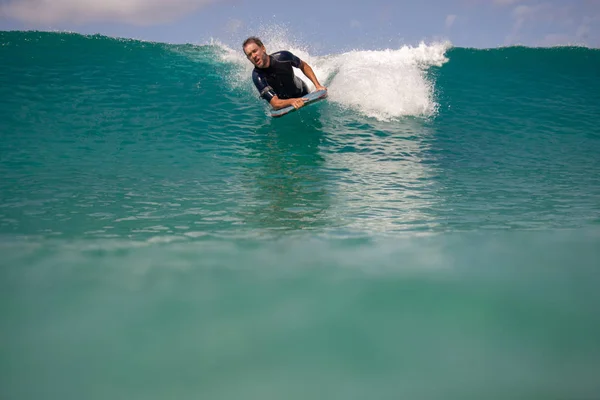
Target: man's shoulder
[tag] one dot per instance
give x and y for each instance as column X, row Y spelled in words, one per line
column 258, row 72
column 283, row 55
column 259, row 78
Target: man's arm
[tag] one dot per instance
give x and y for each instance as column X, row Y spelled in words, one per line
column 310, row 74
column 267, row 93
column 278, row 103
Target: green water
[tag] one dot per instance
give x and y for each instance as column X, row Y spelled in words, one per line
column 430, row 231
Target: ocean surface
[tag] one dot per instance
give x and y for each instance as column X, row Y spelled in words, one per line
column 430, row 231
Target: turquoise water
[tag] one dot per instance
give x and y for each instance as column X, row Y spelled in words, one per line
column 431, row 231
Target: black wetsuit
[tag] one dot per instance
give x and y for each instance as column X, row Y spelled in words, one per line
column 279, row 79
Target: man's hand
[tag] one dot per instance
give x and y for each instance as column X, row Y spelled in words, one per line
column 310, row 74
column 298, row 103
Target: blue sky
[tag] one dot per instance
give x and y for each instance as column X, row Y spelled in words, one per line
column 324, row 26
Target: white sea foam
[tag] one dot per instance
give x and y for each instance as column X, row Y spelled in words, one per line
column 386, row 84
column 382, row 84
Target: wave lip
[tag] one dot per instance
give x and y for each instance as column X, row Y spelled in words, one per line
column 382, row 84
column 388, row 84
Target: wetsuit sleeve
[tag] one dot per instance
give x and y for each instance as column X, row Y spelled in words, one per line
column 288, row 56
column 266, row 91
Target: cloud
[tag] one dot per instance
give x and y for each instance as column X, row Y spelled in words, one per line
column 521, row 14
column 355, row 24
column 138, row 12
column 525, row 16
column 563, row 24
column 584, row 29
column 500, row 3
column 545, row 12
column 556, row 39
column 562, row 39
column 234, row 25
column 450, row 19
column 546, row 22
column 506, row 2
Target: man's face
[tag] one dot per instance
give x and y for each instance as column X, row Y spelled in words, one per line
column 256, row 54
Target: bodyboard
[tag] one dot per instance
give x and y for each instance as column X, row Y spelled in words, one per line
column 311, row 98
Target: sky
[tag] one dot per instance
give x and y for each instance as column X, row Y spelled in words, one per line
column 324, row 26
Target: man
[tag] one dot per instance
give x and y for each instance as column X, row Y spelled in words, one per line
column 274, row 77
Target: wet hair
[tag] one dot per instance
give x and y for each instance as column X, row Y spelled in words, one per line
column 253, row 39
